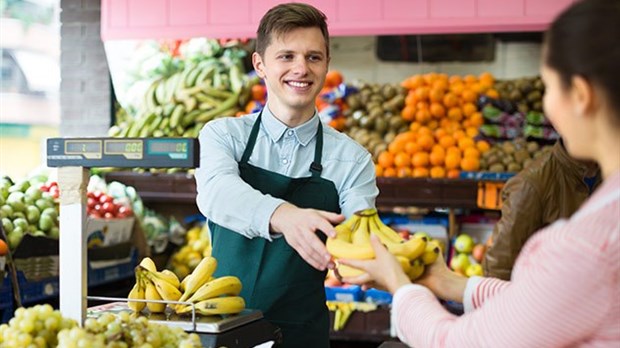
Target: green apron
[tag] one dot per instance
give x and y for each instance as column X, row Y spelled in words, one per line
column 275, row 279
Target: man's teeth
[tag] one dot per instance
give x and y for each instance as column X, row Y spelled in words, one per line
column 298, row 84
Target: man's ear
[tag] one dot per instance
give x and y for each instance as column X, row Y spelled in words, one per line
column 257, row 62
column 583, row 95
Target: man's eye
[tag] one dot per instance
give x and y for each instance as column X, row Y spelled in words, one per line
column 286, row 56
column 315, row 58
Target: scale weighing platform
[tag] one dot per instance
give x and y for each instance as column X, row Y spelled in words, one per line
column 73, row 157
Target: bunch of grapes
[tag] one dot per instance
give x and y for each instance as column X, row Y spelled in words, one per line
column 124, row 331
column 37, row 326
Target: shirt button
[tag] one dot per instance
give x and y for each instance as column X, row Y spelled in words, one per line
column 285, row 161
column 290, row 133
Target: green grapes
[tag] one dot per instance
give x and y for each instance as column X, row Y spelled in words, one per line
column 43, row 327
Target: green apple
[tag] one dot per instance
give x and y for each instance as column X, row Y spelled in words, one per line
column 464, row 243
column 475, row 269
column 460, row 262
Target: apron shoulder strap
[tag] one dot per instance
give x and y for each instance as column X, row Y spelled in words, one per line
column 249, row 147
column 315, row 167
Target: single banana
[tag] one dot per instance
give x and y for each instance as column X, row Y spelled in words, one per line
column 405, row 263
column 151, row 293
column 149, row 264
column 227, row 285
column 416, row 270
column 386, row 230
column 343, row 232
column 344, row 271
column 361, row 235
column 352, row 222
column 137, row 293
column 166, row 290
column 220, row 305
column 170, row 277
column 411, row 249
column 340, row 249
column 201, row 274
column 431, row 252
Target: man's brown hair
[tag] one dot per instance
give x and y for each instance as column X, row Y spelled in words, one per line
column 283, row 18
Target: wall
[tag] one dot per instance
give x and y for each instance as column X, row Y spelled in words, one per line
column 356, row 58
column 85, row 96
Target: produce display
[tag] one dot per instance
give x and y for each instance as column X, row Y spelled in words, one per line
column 353, row 242
column 196, row 247
column 42, row 326
column 209, row 295
column 28, row 207
column 511, row 156
column 468, row 256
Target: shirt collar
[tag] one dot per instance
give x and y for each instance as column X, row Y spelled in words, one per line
column 276, row 129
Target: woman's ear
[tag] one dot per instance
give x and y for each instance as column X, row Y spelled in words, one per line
column 583, row 96
column 257, row 62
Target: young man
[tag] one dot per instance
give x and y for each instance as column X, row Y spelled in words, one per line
column 273, row 184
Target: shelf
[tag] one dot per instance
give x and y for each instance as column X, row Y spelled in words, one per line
column 394, row 192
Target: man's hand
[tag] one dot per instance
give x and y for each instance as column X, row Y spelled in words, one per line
column 299, row 227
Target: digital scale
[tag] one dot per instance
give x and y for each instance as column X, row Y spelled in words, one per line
column 73, row 157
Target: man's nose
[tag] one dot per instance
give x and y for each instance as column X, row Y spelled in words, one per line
column 300, row 67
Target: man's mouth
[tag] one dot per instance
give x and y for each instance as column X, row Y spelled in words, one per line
column 298, row 84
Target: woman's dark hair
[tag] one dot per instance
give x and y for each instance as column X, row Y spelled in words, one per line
column 285, row 17
column 584, row 40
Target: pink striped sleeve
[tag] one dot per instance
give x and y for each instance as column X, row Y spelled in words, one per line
column 560, row 295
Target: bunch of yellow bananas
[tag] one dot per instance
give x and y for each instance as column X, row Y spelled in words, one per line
column 353, row 242
column 210, row 296
column 197, row 247
column 343, row 310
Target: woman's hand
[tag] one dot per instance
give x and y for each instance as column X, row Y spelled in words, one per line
column 442, row 281
column 384, row 271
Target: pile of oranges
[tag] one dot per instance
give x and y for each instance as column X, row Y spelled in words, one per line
column 443, row 122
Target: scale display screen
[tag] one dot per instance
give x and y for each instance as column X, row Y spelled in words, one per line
column 123, row 152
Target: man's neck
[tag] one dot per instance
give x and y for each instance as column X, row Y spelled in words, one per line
column 291, row 118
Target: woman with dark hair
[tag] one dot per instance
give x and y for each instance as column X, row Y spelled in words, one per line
column 565, row 287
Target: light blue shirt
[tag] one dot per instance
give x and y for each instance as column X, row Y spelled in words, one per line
column 224, row 198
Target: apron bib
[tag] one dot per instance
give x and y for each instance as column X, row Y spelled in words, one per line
column 275, row 279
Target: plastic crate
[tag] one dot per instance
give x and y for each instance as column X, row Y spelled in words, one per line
column 35, row 291
column 377, row 296
column 345, row 293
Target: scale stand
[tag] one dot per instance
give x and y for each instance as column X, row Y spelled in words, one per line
column 73, row 157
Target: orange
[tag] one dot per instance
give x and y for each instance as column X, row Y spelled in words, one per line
column 483, row 146
column 421, row 105
column 420, row 172
column 457, row 88
column 441, row 84
column 397, row 146
column 469, row 95
column 425, row 130
column 406, row 136
column 454, row 150
column 402, row 159
column 333, row 78
column 469, row 79
column 471, row 152
column 439, row 132
column 408, row 113
column 438, row 172
column 420, row 159
column 430, row 77
column 412, row 147
column 455, row 114
column 378, row 170
column 426, row 141
column 436, row 95
column 458, row 134
column 437, row 110
column 432, row 125
column 4, row 248
column 259, row 92
column 492, row 93
column 416, row 81
column 389, row 172
column 385, row 160
column 469, row 109
column 450, row 100
column 466, row 142
column 452, row 161
column 422, row 93
column 438, row 148
column 404, row 172
column 423, row 116
column 414, row 126
column 446, row 141
column 487, row 77
column 455, row 79
column 411, row 99
column 476, row 120
column 454, row 173
column 471, row 131
column 470, row 164
column 437, row 158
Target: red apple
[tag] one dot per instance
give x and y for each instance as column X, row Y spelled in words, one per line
column 478, row 252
